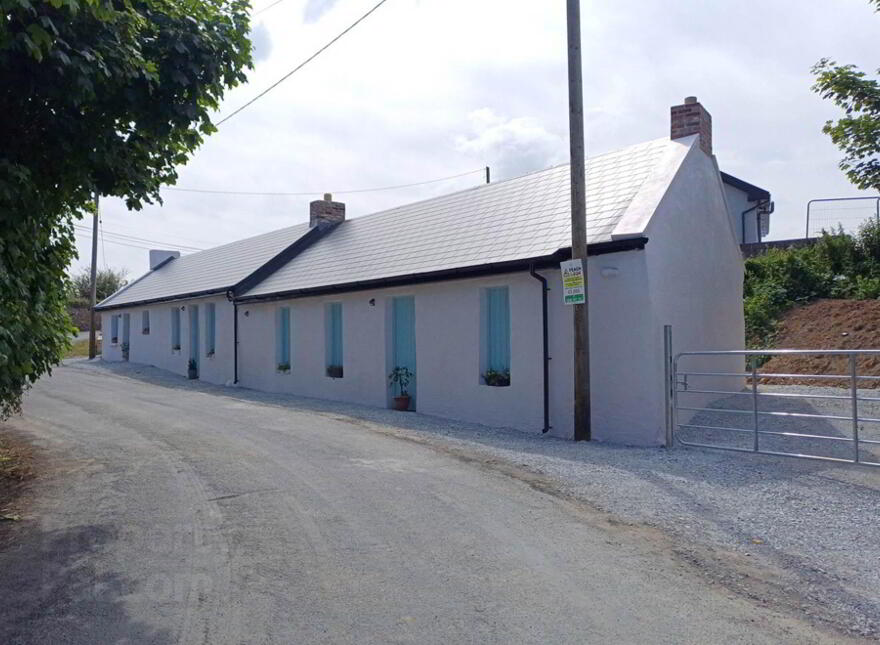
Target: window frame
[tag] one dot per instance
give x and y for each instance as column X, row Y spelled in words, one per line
column 334, row 348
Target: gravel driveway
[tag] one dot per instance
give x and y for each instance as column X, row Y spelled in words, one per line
column 182, row 512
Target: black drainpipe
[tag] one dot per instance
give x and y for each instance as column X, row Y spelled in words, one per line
column 231, row 298
column 544, row 290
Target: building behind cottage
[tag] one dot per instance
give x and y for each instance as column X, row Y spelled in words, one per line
column 452, row 289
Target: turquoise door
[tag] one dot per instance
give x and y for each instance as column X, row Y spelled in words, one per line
column 126, row 335
column 194, row 333
column 403, row 340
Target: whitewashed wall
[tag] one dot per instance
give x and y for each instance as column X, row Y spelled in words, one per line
column 448, row 338
column 694, row 269
column 155, row 348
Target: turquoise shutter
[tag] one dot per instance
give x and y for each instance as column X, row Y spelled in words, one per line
column 334, row 334
column 114, row 328
column 403, row 326
column 498, row 329
column 175, row 328
column 283, row 340
column 211, row 325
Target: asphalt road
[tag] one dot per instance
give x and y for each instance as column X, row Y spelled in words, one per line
column 179, row 515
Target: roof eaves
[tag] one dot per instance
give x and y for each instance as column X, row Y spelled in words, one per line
column 754, row 193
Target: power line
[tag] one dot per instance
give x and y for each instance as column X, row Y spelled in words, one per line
column 267, row 7
column 301, row 65
column 317, row 192
column 133, row 238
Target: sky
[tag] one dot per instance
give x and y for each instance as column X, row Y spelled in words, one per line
column 425, row 89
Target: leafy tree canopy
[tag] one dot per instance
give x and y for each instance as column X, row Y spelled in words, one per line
column 107, row 281
column 858, row 132
column 98, row 96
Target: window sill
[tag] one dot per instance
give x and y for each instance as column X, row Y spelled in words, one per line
column 175, row 351
column 209, row 357
column 287, row 372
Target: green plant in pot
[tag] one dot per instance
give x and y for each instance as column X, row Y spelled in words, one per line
column 125, row 351
column 497, row 378
column 401, row 377
column 192, row 369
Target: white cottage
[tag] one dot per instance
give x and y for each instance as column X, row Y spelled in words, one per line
column 453, row 288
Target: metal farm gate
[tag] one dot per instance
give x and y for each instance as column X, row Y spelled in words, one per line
column 745, row 410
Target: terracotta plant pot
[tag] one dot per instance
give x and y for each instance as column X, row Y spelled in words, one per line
column 401, row 403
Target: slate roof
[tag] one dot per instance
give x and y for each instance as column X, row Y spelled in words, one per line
column 517, row 219
column 216, row 269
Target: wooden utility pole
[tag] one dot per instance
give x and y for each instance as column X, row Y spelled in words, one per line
column 93, row 343
column 582, row 431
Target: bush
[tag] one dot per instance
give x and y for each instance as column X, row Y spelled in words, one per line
column 838, row 265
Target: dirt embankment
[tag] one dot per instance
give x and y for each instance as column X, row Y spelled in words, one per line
column 828, row 324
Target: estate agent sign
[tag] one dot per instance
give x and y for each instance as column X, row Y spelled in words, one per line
column 573, row 282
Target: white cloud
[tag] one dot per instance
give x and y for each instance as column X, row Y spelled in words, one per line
column 511, row 146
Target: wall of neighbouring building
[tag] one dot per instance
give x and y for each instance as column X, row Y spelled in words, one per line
column 745, row 228
column 155, row 348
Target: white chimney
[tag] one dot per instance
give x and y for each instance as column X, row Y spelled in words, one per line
column 159, row 257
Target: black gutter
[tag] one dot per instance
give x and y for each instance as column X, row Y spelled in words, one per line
column 742, row 216
column 230, row 296
column 544, row 290
column 514, row 266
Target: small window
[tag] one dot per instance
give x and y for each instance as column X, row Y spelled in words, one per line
column 114, row 329
column 145, row 322
column 333, row 339
column 210, row 329
column 175, row 329
column 497, row 337
column 282, row 339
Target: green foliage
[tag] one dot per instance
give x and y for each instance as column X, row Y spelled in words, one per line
column 401, row 376
column 857, row 133
column 98, row 96
column 107, row 281
column 497, row 378
column 836, row 266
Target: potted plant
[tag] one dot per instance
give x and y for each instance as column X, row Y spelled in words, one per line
column 334, row 371
column 401, row 376
column 125, row 351
column 284, row 368
column 192, row 369
column 497, row 378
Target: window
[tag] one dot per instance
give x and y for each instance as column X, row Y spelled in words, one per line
column 210, row 329
column 145, row 321
column 333, row 339
column 175, row 328
column 114, row 329
column 497, row 336
column 282, row 339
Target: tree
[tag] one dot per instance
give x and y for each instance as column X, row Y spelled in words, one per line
column 107, row 281
column 98, row 96
column 857, row 133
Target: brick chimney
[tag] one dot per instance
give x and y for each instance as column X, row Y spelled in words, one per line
column 692, row 118
column 326, row 211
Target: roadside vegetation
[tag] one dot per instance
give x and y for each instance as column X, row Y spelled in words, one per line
column 838, row 265
column 15, row 470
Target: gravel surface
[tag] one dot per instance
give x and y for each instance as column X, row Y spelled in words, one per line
column 813, row 526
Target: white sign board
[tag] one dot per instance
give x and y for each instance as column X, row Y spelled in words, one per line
column 574, row 284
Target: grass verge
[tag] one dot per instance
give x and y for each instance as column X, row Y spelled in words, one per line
column 80, row 348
